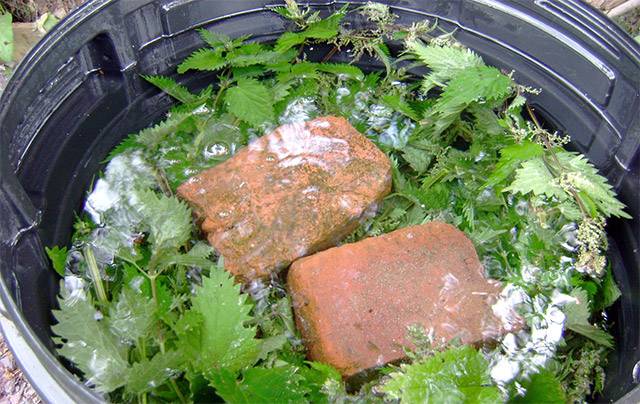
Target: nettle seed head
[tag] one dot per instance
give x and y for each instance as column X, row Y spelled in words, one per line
column 592, row 242
column 378, row 13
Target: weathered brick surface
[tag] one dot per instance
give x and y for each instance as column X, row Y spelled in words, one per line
column 295, row 191
column 353, row 303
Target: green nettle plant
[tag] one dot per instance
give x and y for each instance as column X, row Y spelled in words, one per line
column 148, row 313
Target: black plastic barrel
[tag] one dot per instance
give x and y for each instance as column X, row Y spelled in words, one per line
column 79, row 92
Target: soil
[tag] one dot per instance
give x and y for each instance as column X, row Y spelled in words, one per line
column 30, row 10
column 14, row 388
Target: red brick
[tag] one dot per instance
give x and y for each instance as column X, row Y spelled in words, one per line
column 295, row 191
column 353, row 303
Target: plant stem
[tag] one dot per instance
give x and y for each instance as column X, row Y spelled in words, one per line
column 154, row 289
column 330, row 54
column 224, row 84
column 163, row 183
column 175, row 387
column 548, row 146
column 94, row 271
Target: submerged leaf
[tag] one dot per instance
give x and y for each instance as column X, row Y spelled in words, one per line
column 86, row 341
column 578, row 319
column 224, row 342
column 544, row 387
column 132, row 315
column 146, row 375
column 167, row 219
column 456, row 375
column 260, row 385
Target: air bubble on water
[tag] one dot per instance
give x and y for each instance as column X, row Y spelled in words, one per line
column 514, row 233
column 202, row 109
column 569, row 236
column 521, row 207
column 136, row 283
column 505, row 370
column 341, row 93
column 480, row 156
column 188, row 172
column 379, row 116
column 75, row 287
column 215, row 150
column 299, row 110
column 529, row 273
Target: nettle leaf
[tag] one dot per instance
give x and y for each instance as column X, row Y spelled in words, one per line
column 198, row 256
column 534, row 177
column 252, row 54
column 167, row 219
column 58, row 257
column 204, row 60
column 324, row 29
column 458, row 374
column 316, row 376
column 418, row 159
column 586, row 178
column 288, row 40
column 578, row 319
column 352, row 71
column 151, row 137
column 171, row 87
column 214, row 39
column 132, row 316
column 444, row 62
column 396, row 102
column 129, row 143
column 87, row 342
column 608, row 292
column 188, row 328
column 148, row 374
column 260, row 385
column 544, row 387
column 327, row 28
column 250, row 101
column 475, row 84
column 224, row 341
column 510, row 159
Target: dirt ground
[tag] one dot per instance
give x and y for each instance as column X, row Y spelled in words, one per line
column 14, row 388
column 30, row 10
